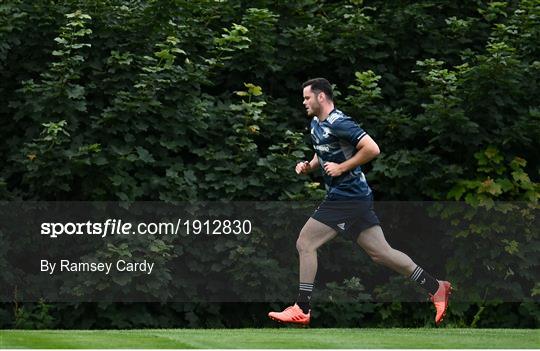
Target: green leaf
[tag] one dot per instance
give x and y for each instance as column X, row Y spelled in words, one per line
column 75, row 91
column 491, row 187
column 144, row 155
column 298, row 154
column 254, row 90
column 61, row 40
column 521, row 177
column 456, row 192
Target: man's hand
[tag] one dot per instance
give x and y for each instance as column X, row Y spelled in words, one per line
column 333, row 169
column 303, row 167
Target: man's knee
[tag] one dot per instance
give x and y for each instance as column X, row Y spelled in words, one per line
column 313, row 235
column 378, row 257
column 303, row 244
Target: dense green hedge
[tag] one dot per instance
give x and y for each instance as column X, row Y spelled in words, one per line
column 179, row 100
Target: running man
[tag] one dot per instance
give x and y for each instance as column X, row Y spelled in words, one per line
column 341, row 147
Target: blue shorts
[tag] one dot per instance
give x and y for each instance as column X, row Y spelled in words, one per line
column 348, row 216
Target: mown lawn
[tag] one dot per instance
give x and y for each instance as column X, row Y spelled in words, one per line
column 272, row 338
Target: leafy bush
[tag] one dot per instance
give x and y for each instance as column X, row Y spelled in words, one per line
column 176, row 100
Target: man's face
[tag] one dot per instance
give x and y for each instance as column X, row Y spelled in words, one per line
column 313, row 108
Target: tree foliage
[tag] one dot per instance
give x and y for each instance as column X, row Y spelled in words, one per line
column 180, row 100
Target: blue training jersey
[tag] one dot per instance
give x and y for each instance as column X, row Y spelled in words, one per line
column 335, row 140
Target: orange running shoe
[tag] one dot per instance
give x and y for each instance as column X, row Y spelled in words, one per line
column 292, row 314
column 440, row 300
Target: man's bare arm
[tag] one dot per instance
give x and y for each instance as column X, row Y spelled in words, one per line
column 308, row 166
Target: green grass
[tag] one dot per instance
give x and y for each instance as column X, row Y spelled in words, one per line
column 272, row 338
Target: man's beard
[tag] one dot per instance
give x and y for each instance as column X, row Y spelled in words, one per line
column 314, row 111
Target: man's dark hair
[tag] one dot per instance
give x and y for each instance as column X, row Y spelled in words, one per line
column 320, row 85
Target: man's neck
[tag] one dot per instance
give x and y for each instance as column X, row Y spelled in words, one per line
column 325, row 112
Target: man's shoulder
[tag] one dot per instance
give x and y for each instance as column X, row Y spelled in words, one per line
column 337, row 116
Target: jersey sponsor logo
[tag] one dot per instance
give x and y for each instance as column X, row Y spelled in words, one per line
column 324, row 148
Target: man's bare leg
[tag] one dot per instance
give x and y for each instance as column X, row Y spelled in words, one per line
column 312, row 236
column 372, row 240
